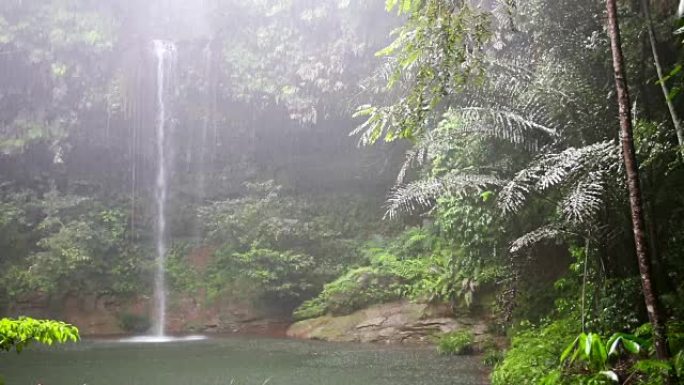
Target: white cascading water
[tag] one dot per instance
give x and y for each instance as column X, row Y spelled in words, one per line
column 165, row 52
column 205, row 125
column 166, row 57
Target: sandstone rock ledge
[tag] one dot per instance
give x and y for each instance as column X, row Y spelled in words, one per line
column 396, row 322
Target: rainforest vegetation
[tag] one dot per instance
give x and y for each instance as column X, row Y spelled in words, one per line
column 519, row 161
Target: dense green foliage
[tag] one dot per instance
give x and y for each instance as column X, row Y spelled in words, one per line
column 522, row 116
column 253, row 101
column 418, row 264
column 17, row 334
column 541, row 355
column 533, row 353
column 133, row 323
column 456, row 343
column 510, row 200
column 62, row 242
column 271, row 247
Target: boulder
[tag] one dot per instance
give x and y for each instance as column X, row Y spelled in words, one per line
column 396, row 322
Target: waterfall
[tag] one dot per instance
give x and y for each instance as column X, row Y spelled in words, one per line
column 166, row 56
column 207, row 120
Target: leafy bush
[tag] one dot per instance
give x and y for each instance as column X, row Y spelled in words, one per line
column 492, row 353
column 589, row 349
column 651, row 372
column 263, row 274
column 134, row 323
column 679, row 364
column 312, row 308
column 265, row 217
column 456, row 343
column 72, row 244
column 17, row 334
column 620, row 306
column 418, row 264
column 182, row 277
column 537, row 356
column 274, row 247
column 492, row 357
column 354, row 290
column 534, row 353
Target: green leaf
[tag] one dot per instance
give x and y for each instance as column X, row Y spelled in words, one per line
column 631, row 346
column 566, row 353
column 405, row 6
column 486, row 195
column 613, row 343
column 611, row 375
column 585, row 344
column 630, row 342
column 364, row 110
column 600, row 356
column 390, row 4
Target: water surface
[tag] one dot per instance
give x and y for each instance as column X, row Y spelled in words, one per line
column 237, row 361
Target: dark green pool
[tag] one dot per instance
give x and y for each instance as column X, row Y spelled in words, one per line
column 237, row 361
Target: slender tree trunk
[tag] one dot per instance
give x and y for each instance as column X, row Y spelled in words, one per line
column 661, row 78
column 632, row 169
column 584, row 283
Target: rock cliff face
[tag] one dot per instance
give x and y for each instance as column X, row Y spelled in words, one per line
column 397, row 322
column 103, row 315
column 225, row 317
column 92, row 314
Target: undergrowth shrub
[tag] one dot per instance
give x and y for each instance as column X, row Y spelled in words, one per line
column 418, row 265
column 534, row 352
column 492, row 357
column 278, row 248
column 181, row 275
column 492, row 354
column 134, row 323
column 354, row 290
column 265, row 273
column 456, row 343
column 542, row 355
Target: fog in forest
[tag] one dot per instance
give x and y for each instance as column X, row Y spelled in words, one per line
column 341, row 192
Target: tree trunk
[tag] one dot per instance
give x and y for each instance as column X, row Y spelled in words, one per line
column 661, row 78
column 632, row 169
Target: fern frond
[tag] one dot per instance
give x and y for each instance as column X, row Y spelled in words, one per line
column 503, row 123
column 422, row 194
column 569, row 167
column 533, row 237
column 584, row 200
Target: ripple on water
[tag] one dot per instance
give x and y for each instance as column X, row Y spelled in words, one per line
column 220, row 360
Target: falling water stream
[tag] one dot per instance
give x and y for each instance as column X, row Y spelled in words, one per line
column 166, row 53
column 202, row 188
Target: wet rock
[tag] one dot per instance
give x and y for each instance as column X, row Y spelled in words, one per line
column 396, row 322
column 372, row 323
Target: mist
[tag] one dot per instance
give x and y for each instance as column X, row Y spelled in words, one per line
column 341, row 191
